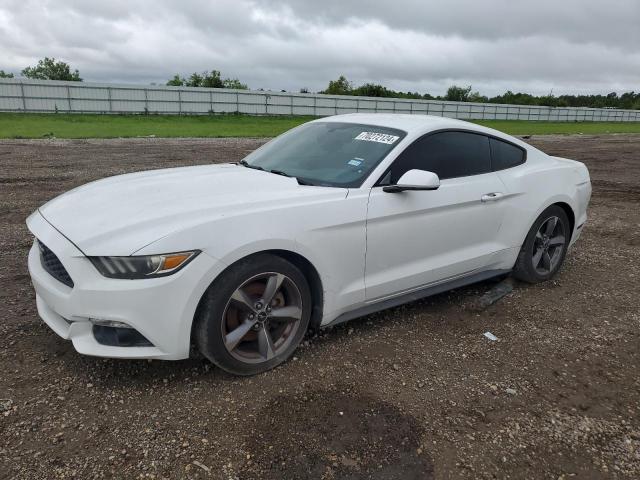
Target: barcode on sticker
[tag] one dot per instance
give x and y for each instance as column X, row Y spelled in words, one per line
column 377, row 137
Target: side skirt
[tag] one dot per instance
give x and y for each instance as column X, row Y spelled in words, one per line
column 415, row 295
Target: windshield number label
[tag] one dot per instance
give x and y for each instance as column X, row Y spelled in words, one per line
column 377, row 137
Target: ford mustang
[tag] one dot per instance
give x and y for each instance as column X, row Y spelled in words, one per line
column 333, row 220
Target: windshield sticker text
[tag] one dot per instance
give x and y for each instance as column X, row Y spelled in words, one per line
column 377, row 137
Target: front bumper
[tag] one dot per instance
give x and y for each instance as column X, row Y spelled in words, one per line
column 161, row 309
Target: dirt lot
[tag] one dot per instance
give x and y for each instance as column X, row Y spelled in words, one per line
column 413, row 392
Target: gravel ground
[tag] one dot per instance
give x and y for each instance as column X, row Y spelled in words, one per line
column 412, row 392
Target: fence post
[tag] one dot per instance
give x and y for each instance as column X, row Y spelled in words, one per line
column 24, row 102
column 69, row 97
column 238, row 104
column 291, row 100
column 146, row 101
column 315, row 106
column 211, row 101
column 109, row 97
column 179, row 102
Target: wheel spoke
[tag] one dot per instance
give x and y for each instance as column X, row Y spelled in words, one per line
column 274, row 282
column 265, row 343
column 546, row 261
column 556, row 241
column 551, row 226
column 241, row 300
column 232, row 340
column 539, row 235
column 286, row 314
column 537, row 257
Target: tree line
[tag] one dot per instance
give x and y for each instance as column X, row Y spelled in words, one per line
column 52, row 69
column 455, row 93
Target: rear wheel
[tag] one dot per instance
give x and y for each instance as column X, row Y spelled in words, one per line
column 254, row 316
column 545, row 247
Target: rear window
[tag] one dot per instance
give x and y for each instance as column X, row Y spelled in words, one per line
column 505, row 155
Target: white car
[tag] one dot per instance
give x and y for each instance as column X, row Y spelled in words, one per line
column 335, row 219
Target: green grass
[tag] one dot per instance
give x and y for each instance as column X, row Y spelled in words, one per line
column 21, row 125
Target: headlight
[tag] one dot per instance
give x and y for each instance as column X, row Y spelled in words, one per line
column 143, row 266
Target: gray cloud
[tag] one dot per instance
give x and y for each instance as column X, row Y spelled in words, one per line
column 568, row 46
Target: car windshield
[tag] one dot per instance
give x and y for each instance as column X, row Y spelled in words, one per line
column 327, row 153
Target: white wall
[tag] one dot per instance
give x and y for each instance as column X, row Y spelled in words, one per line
column 23, row 95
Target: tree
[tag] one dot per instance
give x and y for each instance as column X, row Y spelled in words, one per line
column 176, row 81
column 477, row 98
column 207, row 80
column 49, row 69
column 212, row 80
column 234, row 83
column 341, row 86
column 4, row 74
column 195, row 80
column 458, row 94
column 372, row 90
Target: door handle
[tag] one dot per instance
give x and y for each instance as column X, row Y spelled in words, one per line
column 491, row 197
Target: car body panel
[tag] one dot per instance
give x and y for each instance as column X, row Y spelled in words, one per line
column 366, row 245
column 161, row 309
column 122, row 214
column 416, row 238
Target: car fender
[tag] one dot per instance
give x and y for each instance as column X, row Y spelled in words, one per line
column 530, row 191
column 331, row 239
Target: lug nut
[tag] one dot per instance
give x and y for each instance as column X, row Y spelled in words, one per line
column 258, row 306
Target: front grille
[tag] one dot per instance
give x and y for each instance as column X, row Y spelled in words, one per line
column 51, row 263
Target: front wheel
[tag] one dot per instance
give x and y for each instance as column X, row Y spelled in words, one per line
column 545, row 247
column 253, row 317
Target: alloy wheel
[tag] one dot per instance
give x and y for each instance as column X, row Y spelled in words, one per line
column 548, row 246
column 262, row 317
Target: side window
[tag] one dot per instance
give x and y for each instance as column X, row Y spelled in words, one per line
column 448, row 154
column 504, row 155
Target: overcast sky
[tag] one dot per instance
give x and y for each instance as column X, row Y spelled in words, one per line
column 570, row 46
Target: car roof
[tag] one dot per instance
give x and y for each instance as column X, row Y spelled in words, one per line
column 417, row 124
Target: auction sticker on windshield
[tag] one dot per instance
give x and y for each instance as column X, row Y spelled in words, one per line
column 377, row 137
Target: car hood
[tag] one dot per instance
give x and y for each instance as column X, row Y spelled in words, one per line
column 120, row 215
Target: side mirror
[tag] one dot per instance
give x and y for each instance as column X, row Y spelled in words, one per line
column 414, row 180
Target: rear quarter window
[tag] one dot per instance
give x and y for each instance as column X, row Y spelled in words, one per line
column 505, row 155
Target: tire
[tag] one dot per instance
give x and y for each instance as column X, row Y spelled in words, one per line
column 544, row 249
column 241, row 330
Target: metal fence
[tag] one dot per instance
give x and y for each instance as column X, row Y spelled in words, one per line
column 23, row 95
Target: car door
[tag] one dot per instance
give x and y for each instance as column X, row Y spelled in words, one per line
column 417, row 238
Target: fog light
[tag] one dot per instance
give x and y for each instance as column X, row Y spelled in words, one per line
column 109, row 323
column 119, row 337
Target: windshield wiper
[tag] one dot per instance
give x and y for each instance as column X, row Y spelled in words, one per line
column 244, row 163
column 280, row 172
column 285, row 174
column 305, row 182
